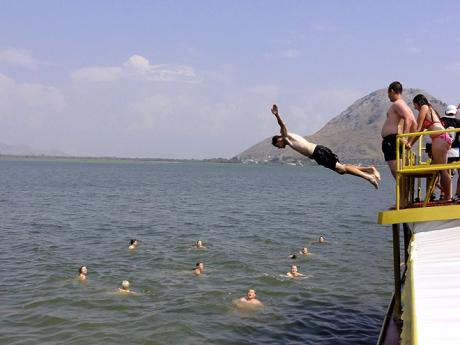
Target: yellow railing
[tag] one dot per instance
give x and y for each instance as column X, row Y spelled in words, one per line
column 411, row 165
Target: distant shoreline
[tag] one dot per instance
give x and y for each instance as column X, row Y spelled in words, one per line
column 112, row 159
column 44, row 158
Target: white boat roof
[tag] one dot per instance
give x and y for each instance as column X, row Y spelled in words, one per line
column 432, row 305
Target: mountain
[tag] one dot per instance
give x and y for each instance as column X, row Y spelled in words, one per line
column 12, row 150
column 354, row 135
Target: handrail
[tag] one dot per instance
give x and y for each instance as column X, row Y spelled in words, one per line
column 438, row 131
column 410, row 163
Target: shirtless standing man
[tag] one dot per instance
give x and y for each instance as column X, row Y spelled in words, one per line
column 398, row 112
column 321, row 154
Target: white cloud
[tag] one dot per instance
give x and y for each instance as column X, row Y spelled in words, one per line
column 136, row 67
column 97, row 73
column 18, row 58
column 309, row 113
column 180, row 114
column 28, row 105
column 160, row 112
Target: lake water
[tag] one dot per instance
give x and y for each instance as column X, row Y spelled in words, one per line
column 57, row 216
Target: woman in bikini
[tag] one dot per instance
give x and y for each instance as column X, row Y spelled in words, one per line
column 429, row 119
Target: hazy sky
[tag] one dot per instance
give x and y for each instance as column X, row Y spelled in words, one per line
column 196, row 79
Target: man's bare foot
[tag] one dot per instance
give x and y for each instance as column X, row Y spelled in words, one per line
column 374, row 181
column 376, row 173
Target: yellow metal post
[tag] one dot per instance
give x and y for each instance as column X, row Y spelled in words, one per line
column 397, row 272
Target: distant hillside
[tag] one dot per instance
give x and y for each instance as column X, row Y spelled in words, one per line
column 354, row 135
column 12, row 150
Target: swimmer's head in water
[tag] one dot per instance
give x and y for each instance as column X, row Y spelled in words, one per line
column 199, row 243
column 321, row 239
column 200, row 266
column 83, row 270
column 304, row 250
column 279, row 141
column 133, row 242
column 125, row 285
column 251, row 294
column 293, row 269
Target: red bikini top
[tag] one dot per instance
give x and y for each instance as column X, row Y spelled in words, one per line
column 428, row 123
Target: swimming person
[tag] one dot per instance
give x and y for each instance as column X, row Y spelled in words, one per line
column 293, row 272
column 304, row 251
column 199, row 268
column 321, row 154
column 199, row 245
column 321, row 239
column 82, row 273
column 250, row 300
column 133, row 244
column 125, row 288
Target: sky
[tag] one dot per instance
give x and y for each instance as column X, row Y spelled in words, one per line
column 196, row 79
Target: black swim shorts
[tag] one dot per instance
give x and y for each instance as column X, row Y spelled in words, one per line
column 389, row 147
column 325, row 157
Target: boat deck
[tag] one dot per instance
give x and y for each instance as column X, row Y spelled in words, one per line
column 418, row 212
column 427, row 296
column 431, row 296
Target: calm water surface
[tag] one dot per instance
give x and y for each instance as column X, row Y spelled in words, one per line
column 56, row 216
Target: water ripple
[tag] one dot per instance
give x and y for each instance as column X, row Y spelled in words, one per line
column 58, row 216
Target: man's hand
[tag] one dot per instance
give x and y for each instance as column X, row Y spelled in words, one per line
column 406, row 143
column 283, row 129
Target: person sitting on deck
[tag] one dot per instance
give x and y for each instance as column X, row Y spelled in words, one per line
column 321, row 154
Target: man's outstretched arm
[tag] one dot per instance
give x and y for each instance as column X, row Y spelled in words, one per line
column 283, row 128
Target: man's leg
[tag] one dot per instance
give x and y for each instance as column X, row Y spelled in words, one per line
column 370, row 170
column 356, row 171
column 392, row 166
